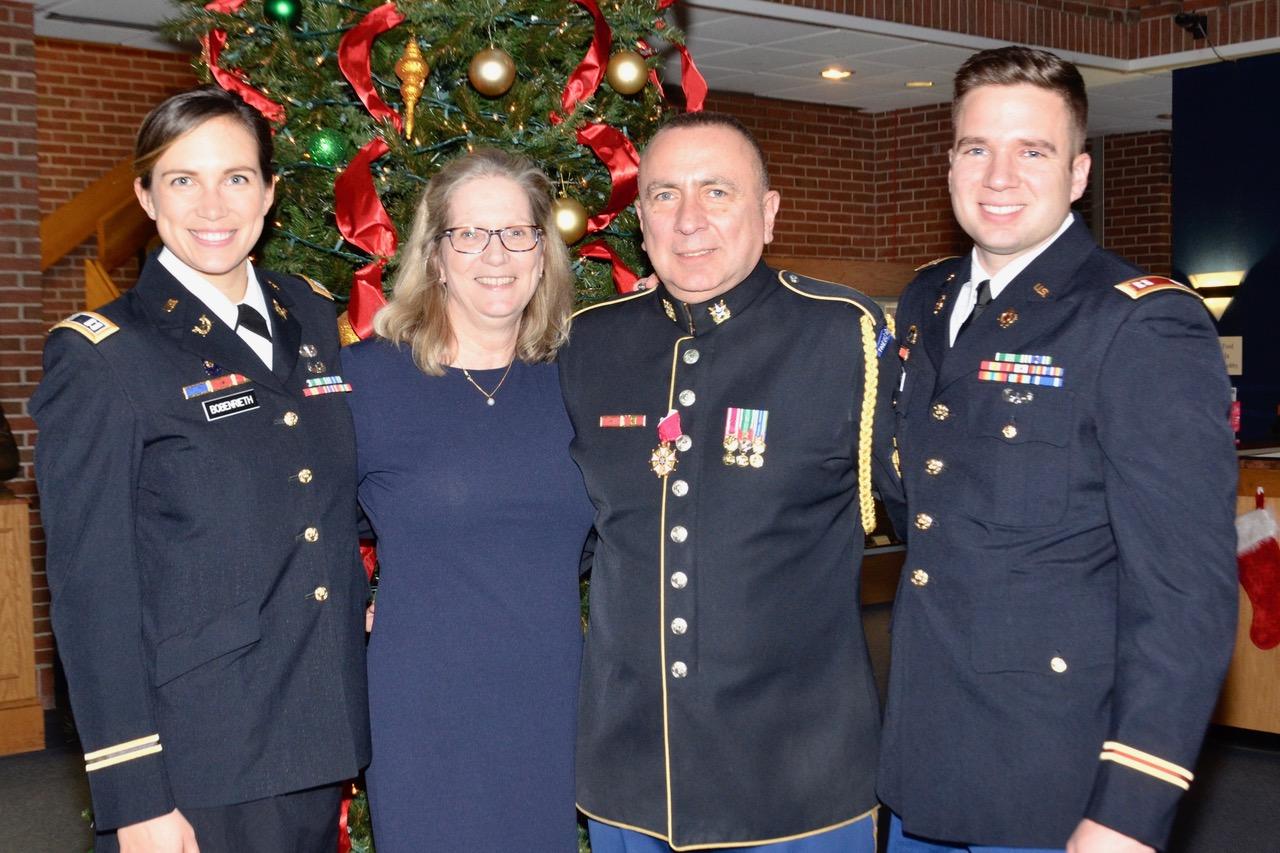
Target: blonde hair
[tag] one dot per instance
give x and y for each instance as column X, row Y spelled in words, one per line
column 417, row 311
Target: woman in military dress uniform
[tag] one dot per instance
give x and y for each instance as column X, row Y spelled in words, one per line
column 197, row 482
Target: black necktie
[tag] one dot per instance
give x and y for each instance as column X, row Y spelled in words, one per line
column 250, row 319
column 980, row 303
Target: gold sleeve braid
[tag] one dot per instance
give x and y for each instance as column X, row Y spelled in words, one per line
column 866, row 423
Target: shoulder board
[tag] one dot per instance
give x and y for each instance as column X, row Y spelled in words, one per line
column 1136, row 288
column 829, row 291
column 935, row 262
column 317, row 287
column 616, row 300
column 91, row 324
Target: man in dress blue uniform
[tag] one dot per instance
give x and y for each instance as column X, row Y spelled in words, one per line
column 1068, row 604
column 197, row 481
column 729, row 426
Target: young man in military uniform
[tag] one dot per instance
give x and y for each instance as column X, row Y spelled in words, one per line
column 1068, row 605
column 730, row 423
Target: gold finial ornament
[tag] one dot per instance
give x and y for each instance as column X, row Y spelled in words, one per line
column 412, row 70
column 570, row 218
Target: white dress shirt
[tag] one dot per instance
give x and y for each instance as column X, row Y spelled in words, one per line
column 225, row 310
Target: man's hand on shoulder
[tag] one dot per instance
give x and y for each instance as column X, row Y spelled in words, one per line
column 1091, row 837
column 168, row 833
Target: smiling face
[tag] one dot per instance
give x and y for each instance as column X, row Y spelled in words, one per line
column 1014, row 172
column 703, row 209
column 488, row 291
column 208, row 197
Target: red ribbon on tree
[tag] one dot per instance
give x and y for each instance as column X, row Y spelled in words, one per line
column 586, row 78
column 691, row 79
column 619, row 155
column 234, row 81
column 624, row 280
column 353, row 58
column 364, row 223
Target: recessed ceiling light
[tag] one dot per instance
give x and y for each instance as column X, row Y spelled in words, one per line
column 919, row 84
column 834, row 73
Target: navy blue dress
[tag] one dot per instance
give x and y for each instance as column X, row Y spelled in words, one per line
column 480, row 516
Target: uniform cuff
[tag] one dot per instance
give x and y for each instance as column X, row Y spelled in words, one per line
column 128, row 783
column 1132, row 799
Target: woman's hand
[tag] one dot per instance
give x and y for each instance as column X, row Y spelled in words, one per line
column 368, row 618
column 168, row 833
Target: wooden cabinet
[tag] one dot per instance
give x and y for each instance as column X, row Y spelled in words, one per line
column 21, row 717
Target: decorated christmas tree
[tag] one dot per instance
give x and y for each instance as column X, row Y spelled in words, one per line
column 370, row 98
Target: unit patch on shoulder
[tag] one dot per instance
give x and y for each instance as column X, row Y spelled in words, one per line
column 1135, row 288
column 91, row 324
column 317, row 287
column 935, row 262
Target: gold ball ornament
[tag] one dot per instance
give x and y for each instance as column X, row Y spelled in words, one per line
column 412, row 70
column 492, row 72
column 626, row 72
column 570, row 218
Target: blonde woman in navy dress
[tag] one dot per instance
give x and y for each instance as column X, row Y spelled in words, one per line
column 480, row 516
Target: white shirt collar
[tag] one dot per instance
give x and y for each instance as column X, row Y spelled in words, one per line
column 1010, row 270
column 225, row 310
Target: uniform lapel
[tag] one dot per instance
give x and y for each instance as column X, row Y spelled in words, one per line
column 935, row 327
column 1028, row 308
column 178, row 313
column 288, row 331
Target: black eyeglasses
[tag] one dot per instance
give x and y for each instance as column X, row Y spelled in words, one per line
column 472, row 241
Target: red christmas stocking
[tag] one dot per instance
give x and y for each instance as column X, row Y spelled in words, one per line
column 1258, row 556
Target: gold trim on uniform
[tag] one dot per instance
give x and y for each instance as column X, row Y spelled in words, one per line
column 1136, row 288
column 626, row 297
column 1145, row 762
column 91, row 324
column 121, row 752
column 934, row 262
column 870, row 384
column 317, row 287
column 203, row 326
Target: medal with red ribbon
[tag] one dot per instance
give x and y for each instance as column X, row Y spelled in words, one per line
column 663, row 459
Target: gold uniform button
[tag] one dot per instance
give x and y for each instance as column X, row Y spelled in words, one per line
column 290, row 419
column 1009, row 431
column 691, row 356
column 941, row 411
column 311, row 534
column 1058, row 665
column 304, row 476
column 683, row 443
column 924, row 521
column 679, row 669
column 679, row 488
column 919, row 577
column 321, row 593
column 687, row 397
column 679, row 580
column 679, row 626
column 933, row 467
column 679, row 534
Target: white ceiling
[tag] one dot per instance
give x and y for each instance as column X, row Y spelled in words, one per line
column 776, row 51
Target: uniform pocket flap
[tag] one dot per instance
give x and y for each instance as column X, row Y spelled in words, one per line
column 1017, row 415
column 222, row 634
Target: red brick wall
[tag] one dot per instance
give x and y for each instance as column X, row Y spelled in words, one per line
column 821, row 159
column 1138, row 198
column 1126, row 29
column 21, row 325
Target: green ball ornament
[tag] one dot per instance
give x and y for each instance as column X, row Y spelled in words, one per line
column 287, row 13
column 327, row 147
